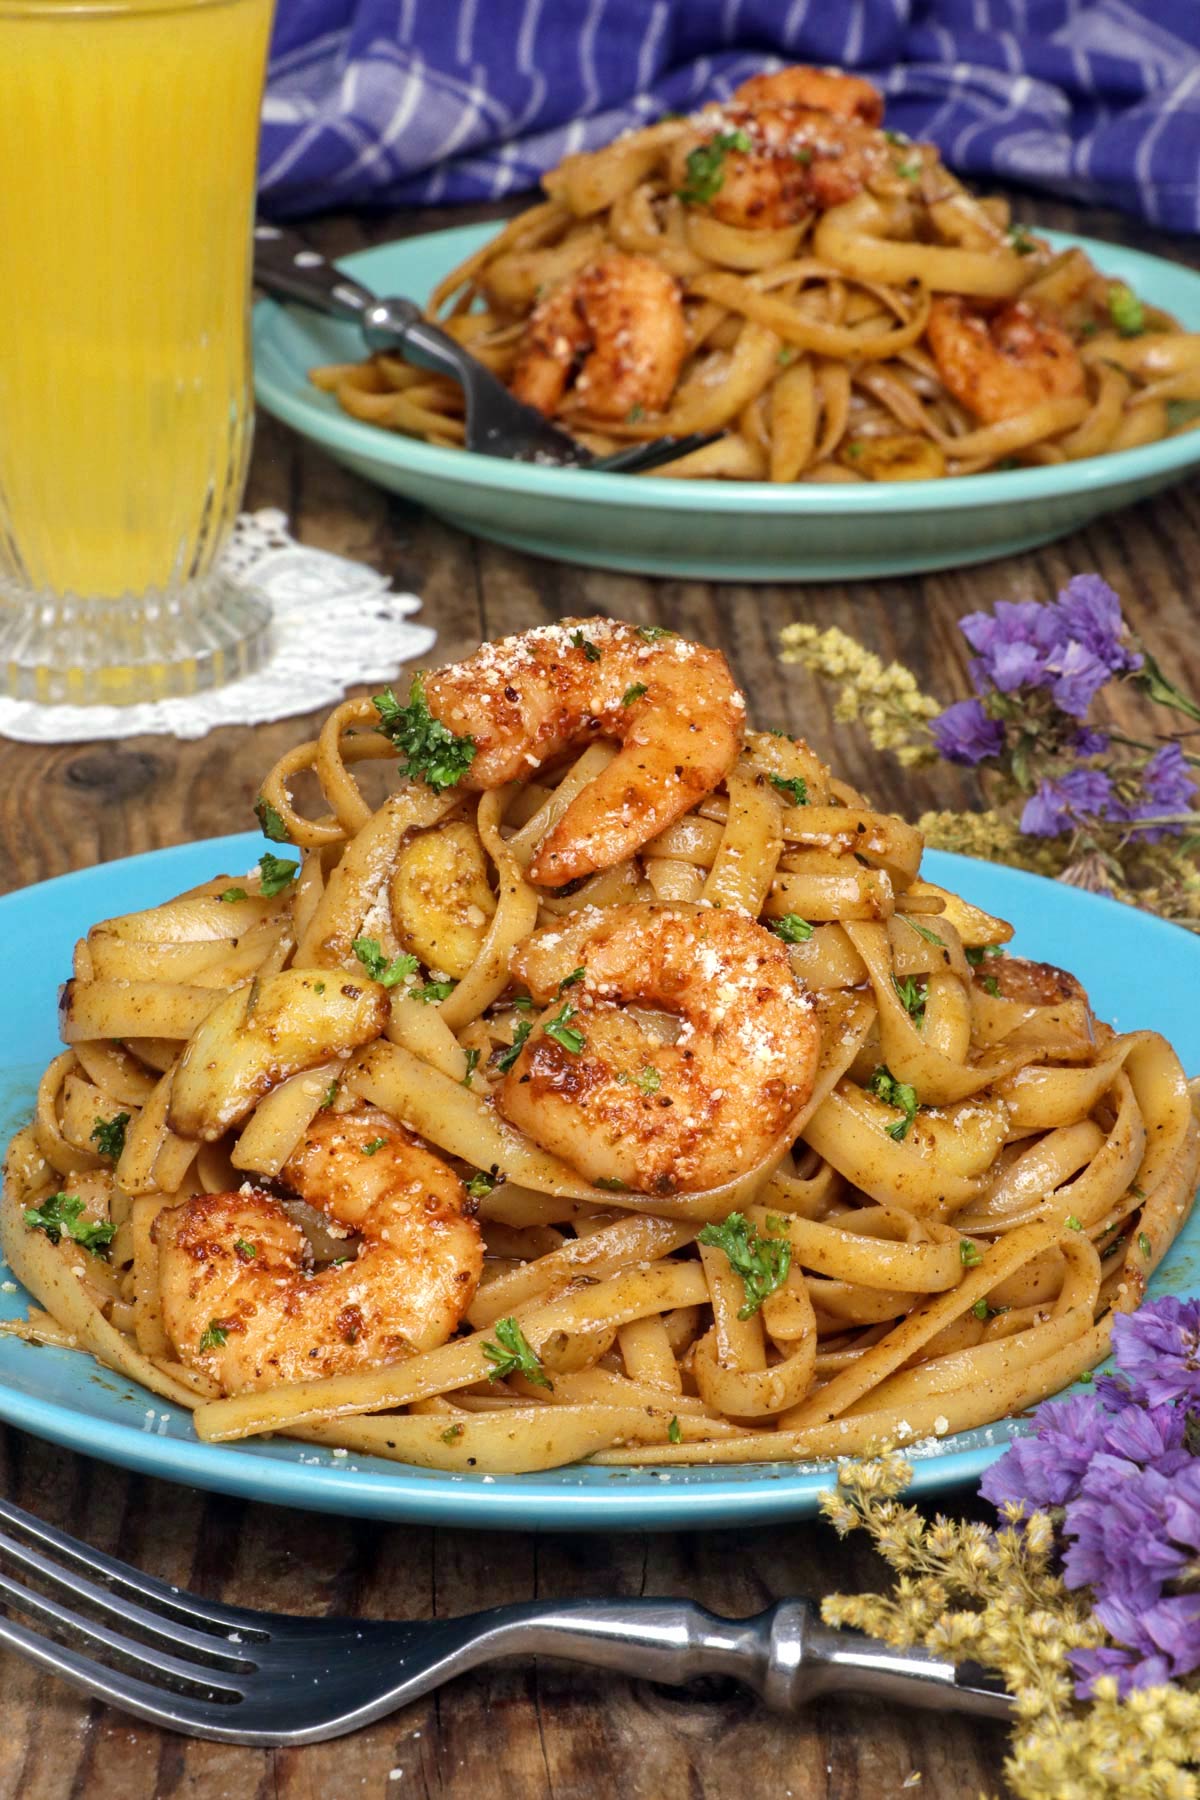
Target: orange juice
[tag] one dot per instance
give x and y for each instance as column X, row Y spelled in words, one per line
column 128, row 138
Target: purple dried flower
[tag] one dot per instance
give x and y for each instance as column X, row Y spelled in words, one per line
column 1013, row 641
column 1158, row 1351
column 1091, row 743
column 965, row 734
column 1078, row 675
column 1159, row 1644
column 1047, row 1467
column 1169, row 786
column 1119, row 1544
column 1129, row 1669
column 1090, row 615
column 1058, row 806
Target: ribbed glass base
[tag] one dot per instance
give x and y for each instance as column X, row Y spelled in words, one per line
column 65, row 650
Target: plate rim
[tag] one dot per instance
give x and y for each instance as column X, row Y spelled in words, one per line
column 332, row 429
column 633, row 1499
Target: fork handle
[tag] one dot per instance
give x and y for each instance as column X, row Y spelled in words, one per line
column 786, row 1654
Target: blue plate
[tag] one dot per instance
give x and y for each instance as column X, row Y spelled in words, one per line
column 714, row 530
column 1140, row 972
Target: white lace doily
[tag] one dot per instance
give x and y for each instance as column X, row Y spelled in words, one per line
column 333, row 623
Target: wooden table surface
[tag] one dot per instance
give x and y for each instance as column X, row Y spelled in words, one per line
column 519, row 1732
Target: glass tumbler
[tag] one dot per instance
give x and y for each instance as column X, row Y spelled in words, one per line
column 128, row 141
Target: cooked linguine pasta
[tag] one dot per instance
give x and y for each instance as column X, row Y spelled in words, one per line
column 823, row 293
column 616, row 1088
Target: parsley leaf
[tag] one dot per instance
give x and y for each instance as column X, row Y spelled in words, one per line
column 472, row 1065
column 909, row 171
column 762, row 1263
column 231, row 894
column 635, row 415
column 1072, row 1223
column 991, row 986
column 633, row 693
column 386, row 973
column 108, row 1135
column 705, row 167
column 480, row 1184
column 923, row 931
column 648, row 1079
column 274, row 873
column 1126, row 310
column 331, row 1094
column 431, row 751
column 792, row 928
column 794, row 786
column 968, row 1253
column 1144, row 1245
column 451, row 1434
column 563, row 1033
column 674, row 1431
column 1021, row 240
column 895, row 1093
column 522, row 1002
column 650, row 634
column 571, row 979
column 213, row 1335
column 271, row 821
column 244, row 1250
column 62, row 1213
column 513, row 1354
column 434, row 990
column 975, row 955
column 611, row 1185
column 585, row 644
column 912, row 998
column 507, row 1058
column 374, row 1145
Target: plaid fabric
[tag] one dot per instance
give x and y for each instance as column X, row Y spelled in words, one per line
column 420, row 101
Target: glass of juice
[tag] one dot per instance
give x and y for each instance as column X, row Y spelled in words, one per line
column 128, row 141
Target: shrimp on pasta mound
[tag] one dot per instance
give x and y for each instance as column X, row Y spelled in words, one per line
column 602, row 1078
column 819, row 294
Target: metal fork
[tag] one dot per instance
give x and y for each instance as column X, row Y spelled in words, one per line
column 497, row 423
column 245, row 1677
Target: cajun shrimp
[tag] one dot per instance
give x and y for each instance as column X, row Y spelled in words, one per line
column 1003, row 363
column 240, row 1301
column 620, row 1104
column 613, row 335
column 672, row 705
column 822, row 90
column 767, row 167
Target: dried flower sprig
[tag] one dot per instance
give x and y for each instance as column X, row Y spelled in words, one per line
column 1085, row 1598
column 1096, row 807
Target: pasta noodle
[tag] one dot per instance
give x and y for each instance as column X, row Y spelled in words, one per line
column 891, row 1182
column 821, row 292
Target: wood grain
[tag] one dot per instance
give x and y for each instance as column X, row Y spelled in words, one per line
column 518, row 1732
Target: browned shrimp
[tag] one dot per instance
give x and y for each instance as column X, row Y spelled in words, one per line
column 612, row 338
column 822, row 90
column 999, row 364
column 671, row 704
column 241, row 1302
column 620, row 1104
column 772, row 166
column 1029, row 983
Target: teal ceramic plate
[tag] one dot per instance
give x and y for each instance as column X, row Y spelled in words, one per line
column 1140, row 971
column 714, row 530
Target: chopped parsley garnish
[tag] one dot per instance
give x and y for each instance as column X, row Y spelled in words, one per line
column 794, row 786
column 792, row 928
column 648, row 1079
column 244, row 1250
column 431, row 751
column 635, row 415
column 1138, row 1193
column 968, row 1253
column 982, row 1310
column 991, row 986
column 976, row 955
column 855, row 450
column 514, row 1355
column 271, row 821
column 585, row 644
column 472, row 1065
column 1144, row 1245
column 897, row 137
column 909, row 171
column 611, row 1185
column 62, row 1213
column 451, row 1434
column 480, row 1184
column 650, row 634
column 633, row 693
column 374, row 1145
column 564, row 1033
column 923, row 931
column 522, row 1002
column 762, row 1263
column 674, row 1431
column 232, row 894
column 803, row 156
column 884, row 1086
column 331, row 1094
column 433, row 991
column 274, row 873
column 786, row 355
column 705, row 167
column 318, row 987
column 1072, row 1223
column 507, row 1058
column 386, row 973
column 570, row 980
column 1021, row 240
column 214, row 1335
column 108, row 1135
column 1126, row 310
column 912, row 998
column 1182, row 412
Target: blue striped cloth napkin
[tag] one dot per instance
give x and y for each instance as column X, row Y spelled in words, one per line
column 424, row 101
